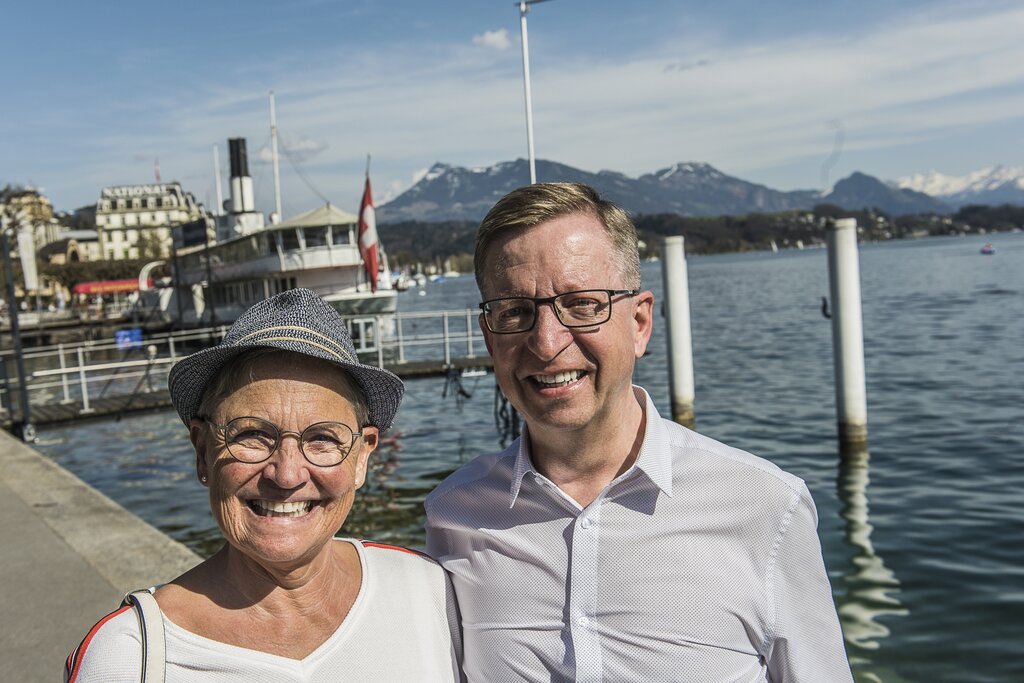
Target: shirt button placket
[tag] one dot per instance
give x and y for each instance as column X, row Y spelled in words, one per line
column 583, row 595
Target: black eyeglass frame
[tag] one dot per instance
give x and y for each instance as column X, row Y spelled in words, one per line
column 539, row 301
column 281, row 434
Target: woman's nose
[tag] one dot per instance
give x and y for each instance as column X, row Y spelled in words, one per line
column 287, row 466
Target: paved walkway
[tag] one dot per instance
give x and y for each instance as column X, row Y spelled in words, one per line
column 67, row 556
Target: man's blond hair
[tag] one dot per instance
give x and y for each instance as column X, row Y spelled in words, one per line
column 532, row 205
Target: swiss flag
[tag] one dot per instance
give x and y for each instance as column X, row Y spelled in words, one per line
column 368, row 235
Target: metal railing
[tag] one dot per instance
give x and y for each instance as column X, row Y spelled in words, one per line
column 85, row 371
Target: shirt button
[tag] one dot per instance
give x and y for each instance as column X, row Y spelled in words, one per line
column 585, row 523
column 582, row 621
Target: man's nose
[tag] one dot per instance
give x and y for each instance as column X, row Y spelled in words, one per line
column 549, row 337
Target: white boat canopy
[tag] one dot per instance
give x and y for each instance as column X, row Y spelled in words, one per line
column 324, row 215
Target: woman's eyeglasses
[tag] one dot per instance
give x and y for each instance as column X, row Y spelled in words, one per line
column 253, row 440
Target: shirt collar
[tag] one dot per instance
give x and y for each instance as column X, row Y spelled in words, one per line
column 522, row 465
column 654, row 460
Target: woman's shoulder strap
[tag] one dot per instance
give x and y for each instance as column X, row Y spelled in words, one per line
column 151, row 626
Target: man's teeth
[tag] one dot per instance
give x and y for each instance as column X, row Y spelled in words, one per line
column 271, row 508
column 560, row 379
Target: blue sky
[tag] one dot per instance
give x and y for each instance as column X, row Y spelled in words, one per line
column 95, row 92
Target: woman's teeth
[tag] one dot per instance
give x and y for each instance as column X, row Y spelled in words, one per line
column 561, row 379
column 269, row 508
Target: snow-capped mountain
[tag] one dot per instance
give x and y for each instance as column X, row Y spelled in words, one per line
column 991, row 185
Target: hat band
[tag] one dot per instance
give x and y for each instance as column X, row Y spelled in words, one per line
column 299, row 329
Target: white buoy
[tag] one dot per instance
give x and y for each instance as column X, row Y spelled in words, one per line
column 847, row 331
column 677, row 324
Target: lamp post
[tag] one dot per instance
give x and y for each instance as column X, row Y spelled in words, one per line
column 524, row 7
column 23, row 427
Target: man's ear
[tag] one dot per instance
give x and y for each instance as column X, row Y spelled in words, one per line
column 643, row 318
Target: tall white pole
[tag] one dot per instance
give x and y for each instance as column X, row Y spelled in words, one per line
column 523, row 9
column 677, row 324
column 847, row 331
column 273, row 153
column 216, row 175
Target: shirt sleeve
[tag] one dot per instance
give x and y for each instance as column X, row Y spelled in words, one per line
column 111, row 652
column 806, row 645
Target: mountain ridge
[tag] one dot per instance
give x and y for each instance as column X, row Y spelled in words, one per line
column 688, row 188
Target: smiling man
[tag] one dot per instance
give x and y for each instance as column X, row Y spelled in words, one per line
column 609, row 544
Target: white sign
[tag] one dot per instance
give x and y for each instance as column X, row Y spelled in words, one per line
column 138, row 190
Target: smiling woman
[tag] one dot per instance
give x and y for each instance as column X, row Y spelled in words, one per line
column 283, row 419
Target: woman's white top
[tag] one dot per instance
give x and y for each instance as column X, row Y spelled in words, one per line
column 403, row 626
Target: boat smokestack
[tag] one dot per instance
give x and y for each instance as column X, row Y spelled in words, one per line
column 241, row 183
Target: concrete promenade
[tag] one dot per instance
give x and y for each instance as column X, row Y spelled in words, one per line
column 68, row 555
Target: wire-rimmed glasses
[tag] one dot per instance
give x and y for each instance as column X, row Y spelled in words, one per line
column 253, row 440
column 579, row 308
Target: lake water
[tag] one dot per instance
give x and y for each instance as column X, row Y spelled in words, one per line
column 922, row 537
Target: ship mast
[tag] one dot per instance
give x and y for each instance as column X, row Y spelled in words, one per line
column 273, row 153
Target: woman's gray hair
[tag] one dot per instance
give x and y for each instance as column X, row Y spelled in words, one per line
column 240, row 371
column 532, row 205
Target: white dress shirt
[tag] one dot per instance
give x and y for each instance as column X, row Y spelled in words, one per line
column 699, row 563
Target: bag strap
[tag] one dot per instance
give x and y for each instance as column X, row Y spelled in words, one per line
column 151, row 627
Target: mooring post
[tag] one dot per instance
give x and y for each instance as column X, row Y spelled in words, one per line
column 677, row 324
column 847, row 331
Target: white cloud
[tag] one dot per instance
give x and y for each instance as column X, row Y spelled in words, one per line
column 498, row 40
column 746, row 108
column 297, row 148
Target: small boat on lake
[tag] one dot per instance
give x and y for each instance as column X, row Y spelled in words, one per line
column 989, row 249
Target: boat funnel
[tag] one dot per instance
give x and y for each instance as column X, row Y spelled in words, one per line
column 241, row 182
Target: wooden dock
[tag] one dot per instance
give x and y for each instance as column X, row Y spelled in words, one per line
column 115, row 406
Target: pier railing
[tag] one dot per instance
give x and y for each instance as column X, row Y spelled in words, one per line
column 80, row 374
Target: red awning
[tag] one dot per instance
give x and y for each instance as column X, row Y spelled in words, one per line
column 108, row 286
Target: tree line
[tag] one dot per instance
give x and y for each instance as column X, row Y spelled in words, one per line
column 413, row 243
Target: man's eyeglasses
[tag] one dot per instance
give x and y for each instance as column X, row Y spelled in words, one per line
column 581, row 308
column 253, row 440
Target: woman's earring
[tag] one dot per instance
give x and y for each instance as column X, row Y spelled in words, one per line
column 202, row 478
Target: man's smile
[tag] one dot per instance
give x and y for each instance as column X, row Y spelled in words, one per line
column 560, row 379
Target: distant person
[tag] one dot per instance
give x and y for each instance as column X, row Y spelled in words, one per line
column 283, row 418
column 607, row 543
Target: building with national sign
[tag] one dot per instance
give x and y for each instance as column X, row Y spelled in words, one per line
column 137, row 221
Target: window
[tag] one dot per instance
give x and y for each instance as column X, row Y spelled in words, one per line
column 289, row 240
column 315, row 237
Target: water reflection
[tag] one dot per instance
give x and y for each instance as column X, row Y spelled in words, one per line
column 389, row 506
column 872, row 588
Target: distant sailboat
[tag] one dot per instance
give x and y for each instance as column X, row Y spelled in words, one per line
column 775, row 247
